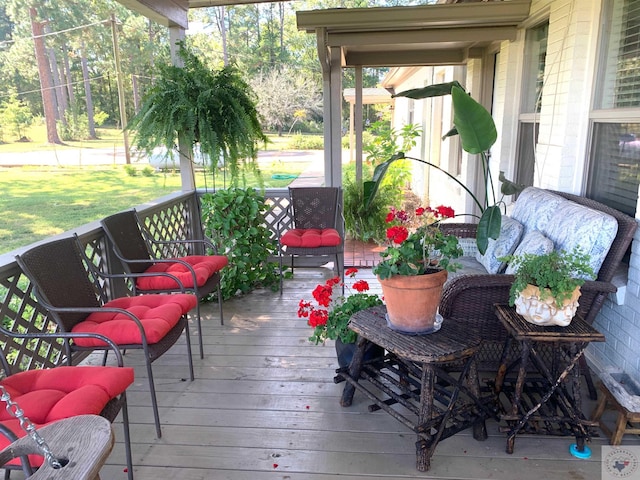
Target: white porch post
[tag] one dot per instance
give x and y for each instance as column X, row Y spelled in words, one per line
column 187, row 175
column 358, row 123
column 333, row 176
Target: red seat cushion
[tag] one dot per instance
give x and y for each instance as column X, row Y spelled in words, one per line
column 157, row 313
column 311, row 238
column 46, row 396
column 205, row 266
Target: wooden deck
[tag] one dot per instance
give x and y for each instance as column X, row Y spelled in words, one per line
column 264, row 405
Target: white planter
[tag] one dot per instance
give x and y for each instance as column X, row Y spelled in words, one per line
column 546, row 312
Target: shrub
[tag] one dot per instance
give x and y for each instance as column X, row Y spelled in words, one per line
column 306, row 142
column 234, row 219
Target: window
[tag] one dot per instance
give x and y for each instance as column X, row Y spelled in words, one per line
column 614, row 166
column 534, row 64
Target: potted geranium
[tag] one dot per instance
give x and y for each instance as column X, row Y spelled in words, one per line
column 415, row 266
column 546, row 287
column 329, row 317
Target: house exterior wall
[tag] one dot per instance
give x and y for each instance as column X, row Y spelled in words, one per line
column 563, row 143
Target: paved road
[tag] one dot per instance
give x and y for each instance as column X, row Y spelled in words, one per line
column 90, row 156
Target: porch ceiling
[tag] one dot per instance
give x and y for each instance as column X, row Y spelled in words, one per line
column 441, row 34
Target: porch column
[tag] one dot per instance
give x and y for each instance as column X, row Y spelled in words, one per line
column 187, row 176
column 333, row 174
column 358, row 124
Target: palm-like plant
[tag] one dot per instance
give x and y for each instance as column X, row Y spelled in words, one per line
column 199, row 107
column 477, row 131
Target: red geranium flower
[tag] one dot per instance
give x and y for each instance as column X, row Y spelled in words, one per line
column 332, row 281
column 322, row 294
column 350, row 272
column 397, row 234
column 445, row 212
column 318, row 317
column 390, row 217
column 419, row 211
column 361, row 286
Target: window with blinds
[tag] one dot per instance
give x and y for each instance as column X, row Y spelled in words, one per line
column 614, row 166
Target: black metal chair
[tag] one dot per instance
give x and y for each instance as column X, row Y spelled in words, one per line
column 314, row 215
column 71, row 289
column 134, row 247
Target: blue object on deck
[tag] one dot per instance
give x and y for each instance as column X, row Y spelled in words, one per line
column 573, row 450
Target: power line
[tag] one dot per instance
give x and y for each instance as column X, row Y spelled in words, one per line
column 48, row 34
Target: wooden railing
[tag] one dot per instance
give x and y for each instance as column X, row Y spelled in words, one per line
column 175, row 216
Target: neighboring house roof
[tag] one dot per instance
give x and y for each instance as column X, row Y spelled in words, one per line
column 369, row 95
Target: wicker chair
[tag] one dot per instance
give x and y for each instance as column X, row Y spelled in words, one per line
column 48, row 395
column 133, row 246
column 471, row 298
column 67, row 285
column 316, row 229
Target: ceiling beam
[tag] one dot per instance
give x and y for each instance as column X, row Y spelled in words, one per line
column 424, row 16
column 220, row 3
column 423, row 36
column 170, row 13
column 404, row 58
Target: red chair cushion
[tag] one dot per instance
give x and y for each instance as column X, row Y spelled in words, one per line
column 46, row 396
column 311, row 238
column 157, row 313
column 205, row 266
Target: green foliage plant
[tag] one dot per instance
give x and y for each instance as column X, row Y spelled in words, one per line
column 306, row 142
column 198, row 107
column 234, row 219
column 477, row 132
column 366, row 221
column 362, row 222
column 16, row 115
column 330, row 317
column 557, row 274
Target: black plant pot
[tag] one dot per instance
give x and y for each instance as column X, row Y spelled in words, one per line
column 345, row 352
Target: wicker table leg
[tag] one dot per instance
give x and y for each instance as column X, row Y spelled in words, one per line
column 354, row 371
column 424, row 447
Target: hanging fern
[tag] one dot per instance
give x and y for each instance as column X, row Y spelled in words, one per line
column 195, row 105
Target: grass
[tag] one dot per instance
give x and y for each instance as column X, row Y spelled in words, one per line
column 38, row 202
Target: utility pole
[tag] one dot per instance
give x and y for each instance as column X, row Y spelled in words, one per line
column 123, row 111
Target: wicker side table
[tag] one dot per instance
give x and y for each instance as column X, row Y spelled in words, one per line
column 436, row 404
column 558, row 408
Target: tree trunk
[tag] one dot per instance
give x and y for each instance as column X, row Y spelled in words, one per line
column 68, row 81
column 222, row 25
column 57, row 84
column 46, row 85
column 87, row 94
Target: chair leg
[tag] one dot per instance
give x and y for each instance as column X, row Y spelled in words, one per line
column 127, row 437
column 220, row 304
column 188, row 339
column 280, row 260
column 154, row 400
column 199, row 326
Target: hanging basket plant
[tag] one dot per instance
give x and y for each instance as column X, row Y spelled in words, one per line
column 196, row 107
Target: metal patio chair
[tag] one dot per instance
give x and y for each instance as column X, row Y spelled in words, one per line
column 71, row 289
column 134, row 247
column 316, row 227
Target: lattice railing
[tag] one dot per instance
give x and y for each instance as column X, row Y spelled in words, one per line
column 173, row 217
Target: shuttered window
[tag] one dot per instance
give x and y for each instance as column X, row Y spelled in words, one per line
column 614, row 165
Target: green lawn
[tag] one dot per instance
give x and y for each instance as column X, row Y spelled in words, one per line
column 37, row 202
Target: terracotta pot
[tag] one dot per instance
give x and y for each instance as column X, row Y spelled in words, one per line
column 546, row 312
column 412, row 301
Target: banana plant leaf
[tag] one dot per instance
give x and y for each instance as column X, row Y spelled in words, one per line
column 474, row 123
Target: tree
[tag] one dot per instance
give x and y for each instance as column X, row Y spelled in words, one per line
column 283, row 93
column 46, row 85
column 16, row 114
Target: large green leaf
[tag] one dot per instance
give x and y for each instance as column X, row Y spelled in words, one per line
column 371, row 188
column 488, row 227
column 475, row 125
column 436, row 90
column 508, row 187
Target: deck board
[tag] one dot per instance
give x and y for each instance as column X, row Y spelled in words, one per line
column 264, row 405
